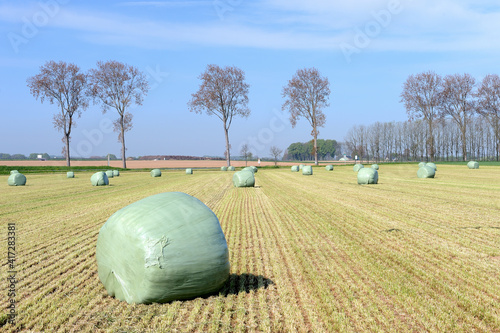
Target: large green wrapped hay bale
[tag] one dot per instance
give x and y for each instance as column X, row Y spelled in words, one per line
column 248, row 169
column 357, row 167
column 367, row 176
column 16, row 179
column 426, row 172
column 301, row 166
column 431, row 165
column 231, row 168
column 329, row 167
column 155, row 173
column 99, row 179
column 166, row 247
column 375, row 166
column 421, row 164
column 13, row 171
column 224, row 168
column 307, row 170
column 116, row 173
column 254, row 168
column 110, row 173
column 189, row 171
column 70, row 174
column 295, row 168
column 243, row 178
column 473, row 165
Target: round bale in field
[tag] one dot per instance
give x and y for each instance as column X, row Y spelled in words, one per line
column 189, row 171
column 307, row 170
column 357, row 167
column 231, row 168
column 156, row 173
column 16, row 179
column 254, row 168
column 367, row 176
column 421, row 164
column 426, row 172
column 432, row 165
column 301, row 166
column 473, row 165
column 13, row 171
column 99, row 179
column 295, row 168
column 70, row 174
column 116, row 173
column 375, row 166
column 110, row 173
column 243, row 178
column 248, row 169
column 223, row 168
column 329, row 167
column 166, row 247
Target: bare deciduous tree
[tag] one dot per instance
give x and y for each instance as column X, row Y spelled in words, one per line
column 63, row 84
column 223, row 92
column 276, row 153
column 117, row 85
column 421, row 97
column 458, row 101
column 489, row 104
column 245, row 152
column 306, row 96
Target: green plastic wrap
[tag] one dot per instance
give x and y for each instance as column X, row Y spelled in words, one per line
column 375, row 166
column 116, row 173
column 248, row 169
column 13, row 171
column 223, row 168
column 295, row 168
column 357, row 167
column 110, row 173
column 367, row 176
column 70, row 174
column 166, row 247
column 99, row 179
column 473, row 165
column 431, row 165
column 16, row 179
column 231, row 168
column 301, row 166
column 426, row 172
column 421, row 164
column 329, row 167
column 254, row 168
column 244, row 178
column 307, row 170
column 156, row 173
column 189, row 171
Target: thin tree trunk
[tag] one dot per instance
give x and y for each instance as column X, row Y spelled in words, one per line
column 315, row 147
column 68, row 160
column 124, row 160
column 228, row 156
column 431, row 141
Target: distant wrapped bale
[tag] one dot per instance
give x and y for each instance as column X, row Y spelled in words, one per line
column 110, row 173
column 16, row 179
column 375, row 166
column 224, row 168
column 421, row 164
column 248, row 169
column 329, row 167
column 231, row 168
column 307, row 170
column 189, row 171
column 166, row 247
column 116, row 173
column 295, row 168
column 357, row 167
column 431, row 165
column 301, row 166
column 99, row 179
column 244, row 178
column 254, row 168
column 367, row 176
column 13, row 171
column 426, row 172
column 473, row 165
column 156, row 173
column 70, row 174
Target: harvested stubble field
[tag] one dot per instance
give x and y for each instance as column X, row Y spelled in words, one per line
column 308, row 253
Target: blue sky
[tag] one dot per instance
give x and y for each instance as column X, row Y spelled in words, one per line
column 366, row 48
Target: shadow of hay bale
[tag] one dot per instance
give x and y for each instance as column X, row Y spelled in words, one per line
column 244, row 283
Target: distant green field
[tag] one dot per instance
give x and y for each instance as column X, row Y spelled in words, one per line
column 308, row 253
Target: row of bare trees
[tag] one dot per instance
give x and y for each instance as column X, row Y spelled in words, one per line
column 112, row 84
column 458, row 97
column 409, row 141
